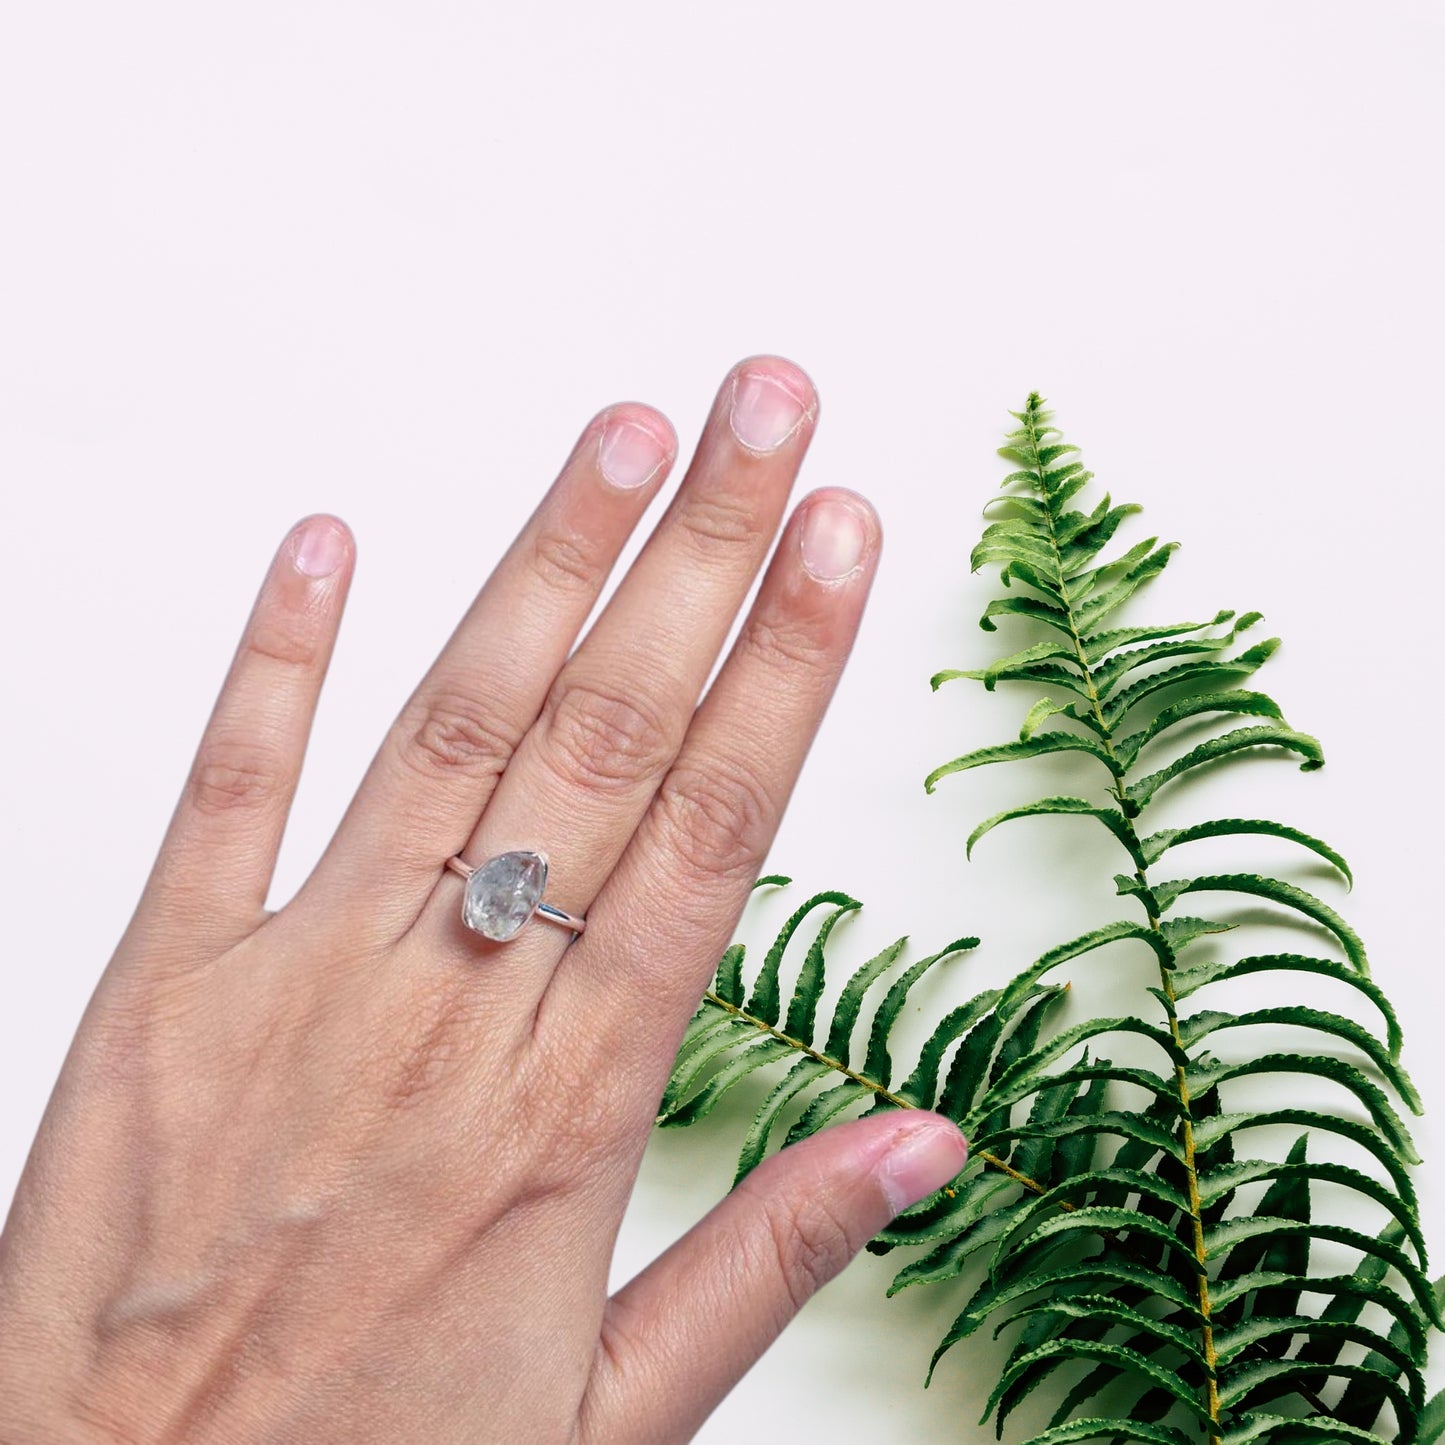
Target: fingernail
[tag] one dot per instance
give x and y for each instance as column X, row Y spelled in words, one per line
column 319, row 548
column 834, row 538
column 629, row 455
column 764, row 412
column 924, row 1157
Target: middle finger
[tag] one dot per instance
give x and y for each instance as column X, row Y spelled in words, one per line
column 582, row 778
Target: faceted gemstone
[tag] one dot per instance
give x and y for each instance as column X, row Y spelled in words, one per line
column 503, row 894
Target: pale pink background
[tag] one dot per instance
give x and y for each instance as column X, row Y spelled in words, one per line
column 386, row 259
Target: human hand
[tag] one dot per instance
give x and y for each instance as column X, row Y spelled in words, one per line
column 349, row 1171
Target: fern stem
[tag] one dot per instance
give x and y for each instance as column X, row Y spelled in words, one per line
column 1201, row 1253
column 871, row 1085
column 1191, row 1169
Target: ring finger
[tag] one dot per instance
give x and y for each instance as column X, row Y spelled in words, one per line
column 671, row 905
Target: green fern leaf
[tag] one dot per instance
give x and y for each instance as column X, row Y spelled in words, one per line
column 850, row 1002
column 1223, row 1179
column 1113, row 666
column 1349, row 1293
column 921, row 1088
column 976, row 1231
column 1157, row 844
column 1111, row 818
column 1212, row 751
column 1205, row 1025
column 878, row 1065
column 825, row 1107
column 1106, row 603
column 803, row 1008
column 1052, row 742
column 1324, row 1066
column 1034, row 607
column 1199, row 678
column 1227, row 1334
column 729, row 982
column 1432, row 1421
column 803, row 1072
column 1097, row 1429
column 1137, row 1364
column 1276, row 891
column 765, row 1002
column 1099, row 645
column 1149, row 1258
column 1247, row 1381
column 750, row 1056
column 1255, row 1427
column 1040, row 713
column 1362, row 1400
column 728, row 1041
column 1209, row 1132
column 1236, row 700
column 1189, row 981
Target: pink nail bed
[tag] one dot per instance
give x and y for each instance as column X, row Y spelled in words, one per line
column 764, row 412
column 629, row 455
column 922, row 1158
column 833, row 541
column 319, row 548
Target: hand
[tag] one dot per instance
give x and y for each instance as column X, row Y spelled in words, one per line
column 349, row 1171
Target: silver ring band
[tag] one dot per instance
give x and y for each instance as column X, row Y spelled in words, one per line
column 505, row 893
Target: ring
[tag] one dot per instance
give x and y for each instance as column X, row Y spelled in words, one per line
column 505, row 892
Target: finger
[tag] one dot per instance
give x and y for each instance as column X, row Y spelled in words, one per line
column 438, row 764
column 219, row 854
column 619, row 709
column 670, row 907
column 682, row 1333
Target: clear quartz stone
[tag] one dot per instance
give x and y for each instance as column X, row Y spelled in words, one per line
column 503, row 894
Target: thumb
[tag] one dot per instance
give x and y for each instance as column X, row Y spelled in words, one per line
column 686, row 1329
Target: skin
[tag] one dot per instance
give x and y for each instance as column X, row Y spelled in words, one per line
column 349, row 1171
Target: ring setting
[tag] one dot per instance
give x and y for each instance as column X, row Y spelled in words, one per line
column 505, row 893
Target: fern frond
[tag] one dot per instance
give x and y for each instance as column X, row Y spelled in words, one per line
column 1156, row 1264
column 727, row 1040
column 1125, row 1224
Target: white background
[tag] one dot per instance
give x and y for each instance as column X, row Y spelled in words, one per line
column 386, row 259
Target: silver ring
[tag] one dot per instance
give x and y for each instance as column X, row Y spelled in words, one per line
column 504, row 893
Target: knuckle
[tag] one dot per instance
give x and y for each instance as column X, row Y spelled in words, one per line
column 566, row 560
column 717, row 522
column 716, row 821
column 449, row 733
column 140, row 1012
column 289, row 638
column 603, row 739
column 810, row 1245
column 229, row 774
column 785, row 643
